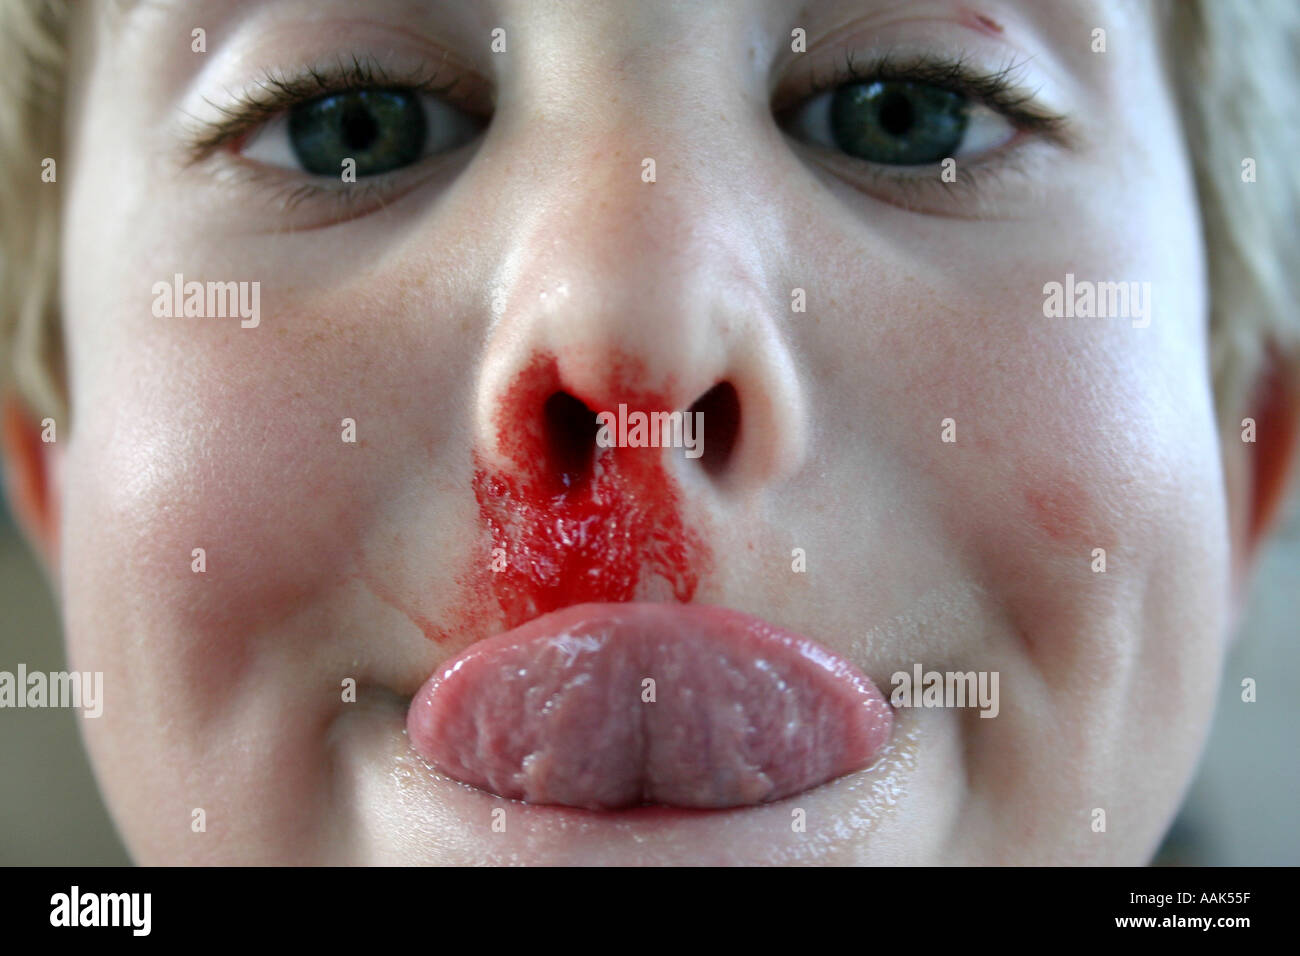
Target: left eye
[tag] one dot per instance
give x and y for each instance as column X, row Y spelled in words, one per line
column 381, row 130
column 899, row 123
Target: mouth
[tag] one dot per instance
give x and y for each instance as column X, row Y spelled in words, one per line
column 624, row 705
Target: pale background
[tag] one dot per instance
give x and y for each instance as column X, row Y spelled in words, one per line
column 1242, row 809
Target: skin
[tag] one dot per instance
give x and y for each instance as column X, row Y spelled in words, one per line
column 924, row 303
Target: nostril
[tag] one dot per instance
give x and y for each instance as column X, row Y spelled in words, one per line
column 570, row 437
column 720, row 406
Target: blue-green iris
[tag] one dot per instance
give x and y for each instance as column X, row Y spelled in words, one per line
column 381, row 130
column 898, row 123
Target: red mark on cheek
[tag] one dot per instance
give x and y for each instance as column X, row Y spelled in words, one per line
column 574, row 522
column 1062, row 511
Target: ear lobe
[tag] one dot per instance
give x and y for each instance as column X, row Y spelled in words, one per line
column 29, row 475
column 1272, row 457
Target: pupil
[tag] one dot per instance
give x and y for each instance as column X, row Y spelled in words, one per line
column 359, row 129
column 896, row 114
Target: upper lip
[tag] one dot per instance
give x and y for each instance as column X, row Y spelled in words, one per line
column 607, row 706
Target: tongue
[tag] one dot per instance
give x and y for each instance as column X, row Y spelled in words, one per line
column 606, row 706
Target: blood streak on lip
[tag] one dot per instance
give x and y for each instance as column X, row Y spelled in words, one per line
column 604, row 526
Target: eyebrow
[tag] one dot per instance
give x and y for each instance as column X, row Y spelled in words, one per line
column 125, row 9
column 130, row 6
column 121, row 15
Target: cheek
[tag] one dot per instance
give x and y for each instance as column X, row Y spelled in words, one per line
column 150, row 484
column 235, row 442
column 1073, row 436
column 1093, row 509
column 1103, row 514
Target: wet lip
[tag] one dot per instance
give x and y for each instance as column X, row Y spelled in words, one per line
column 610, row 706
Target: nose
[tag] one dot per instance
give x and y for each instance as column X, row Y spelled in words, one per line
column 650, row 297
column 618, row 293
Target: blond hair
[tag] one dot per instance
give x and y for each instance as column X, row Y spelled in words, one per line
column 1234, row 67
column 33, row 49
column 1236, row 71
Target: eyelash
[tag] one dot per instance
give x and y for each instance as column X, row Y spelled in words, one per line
column 276, row 93
column 998, row 91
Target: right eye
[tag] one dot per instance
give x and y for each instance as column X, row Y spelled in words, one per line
column 900, row 123
column 380, row 129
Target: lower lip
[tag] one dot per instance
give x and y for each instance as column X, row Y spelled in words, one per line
column 620, row 706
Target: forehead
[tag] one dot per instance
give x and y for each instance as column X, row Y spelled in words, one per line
column 643, row 37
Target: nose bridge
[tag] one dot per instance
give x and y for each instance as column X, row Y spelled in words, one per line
column 623, row 266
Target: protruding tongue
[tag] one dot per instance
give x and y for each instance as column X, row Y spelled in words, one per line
column 606, row 706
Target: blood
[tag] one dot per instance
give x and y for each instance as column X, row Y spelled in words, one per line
column 410, row 608
column 578, row 522
column 982, row 22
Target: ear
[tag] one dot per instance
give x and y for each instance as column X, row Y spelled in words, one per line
column 31, row 458
column 1271, row 459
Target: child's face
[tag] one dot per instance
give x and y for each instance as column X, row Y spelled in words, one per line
column 440, row 305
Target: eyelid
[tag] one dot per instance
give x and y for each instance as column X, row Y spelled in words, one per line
column 811, row 119
column 999, row 90
column 995, row 184
column 325, row 201
column 276, row 92
column 270, row 145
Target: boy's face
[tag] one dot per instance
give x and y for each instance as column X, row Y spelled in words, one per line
column 440, row 304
